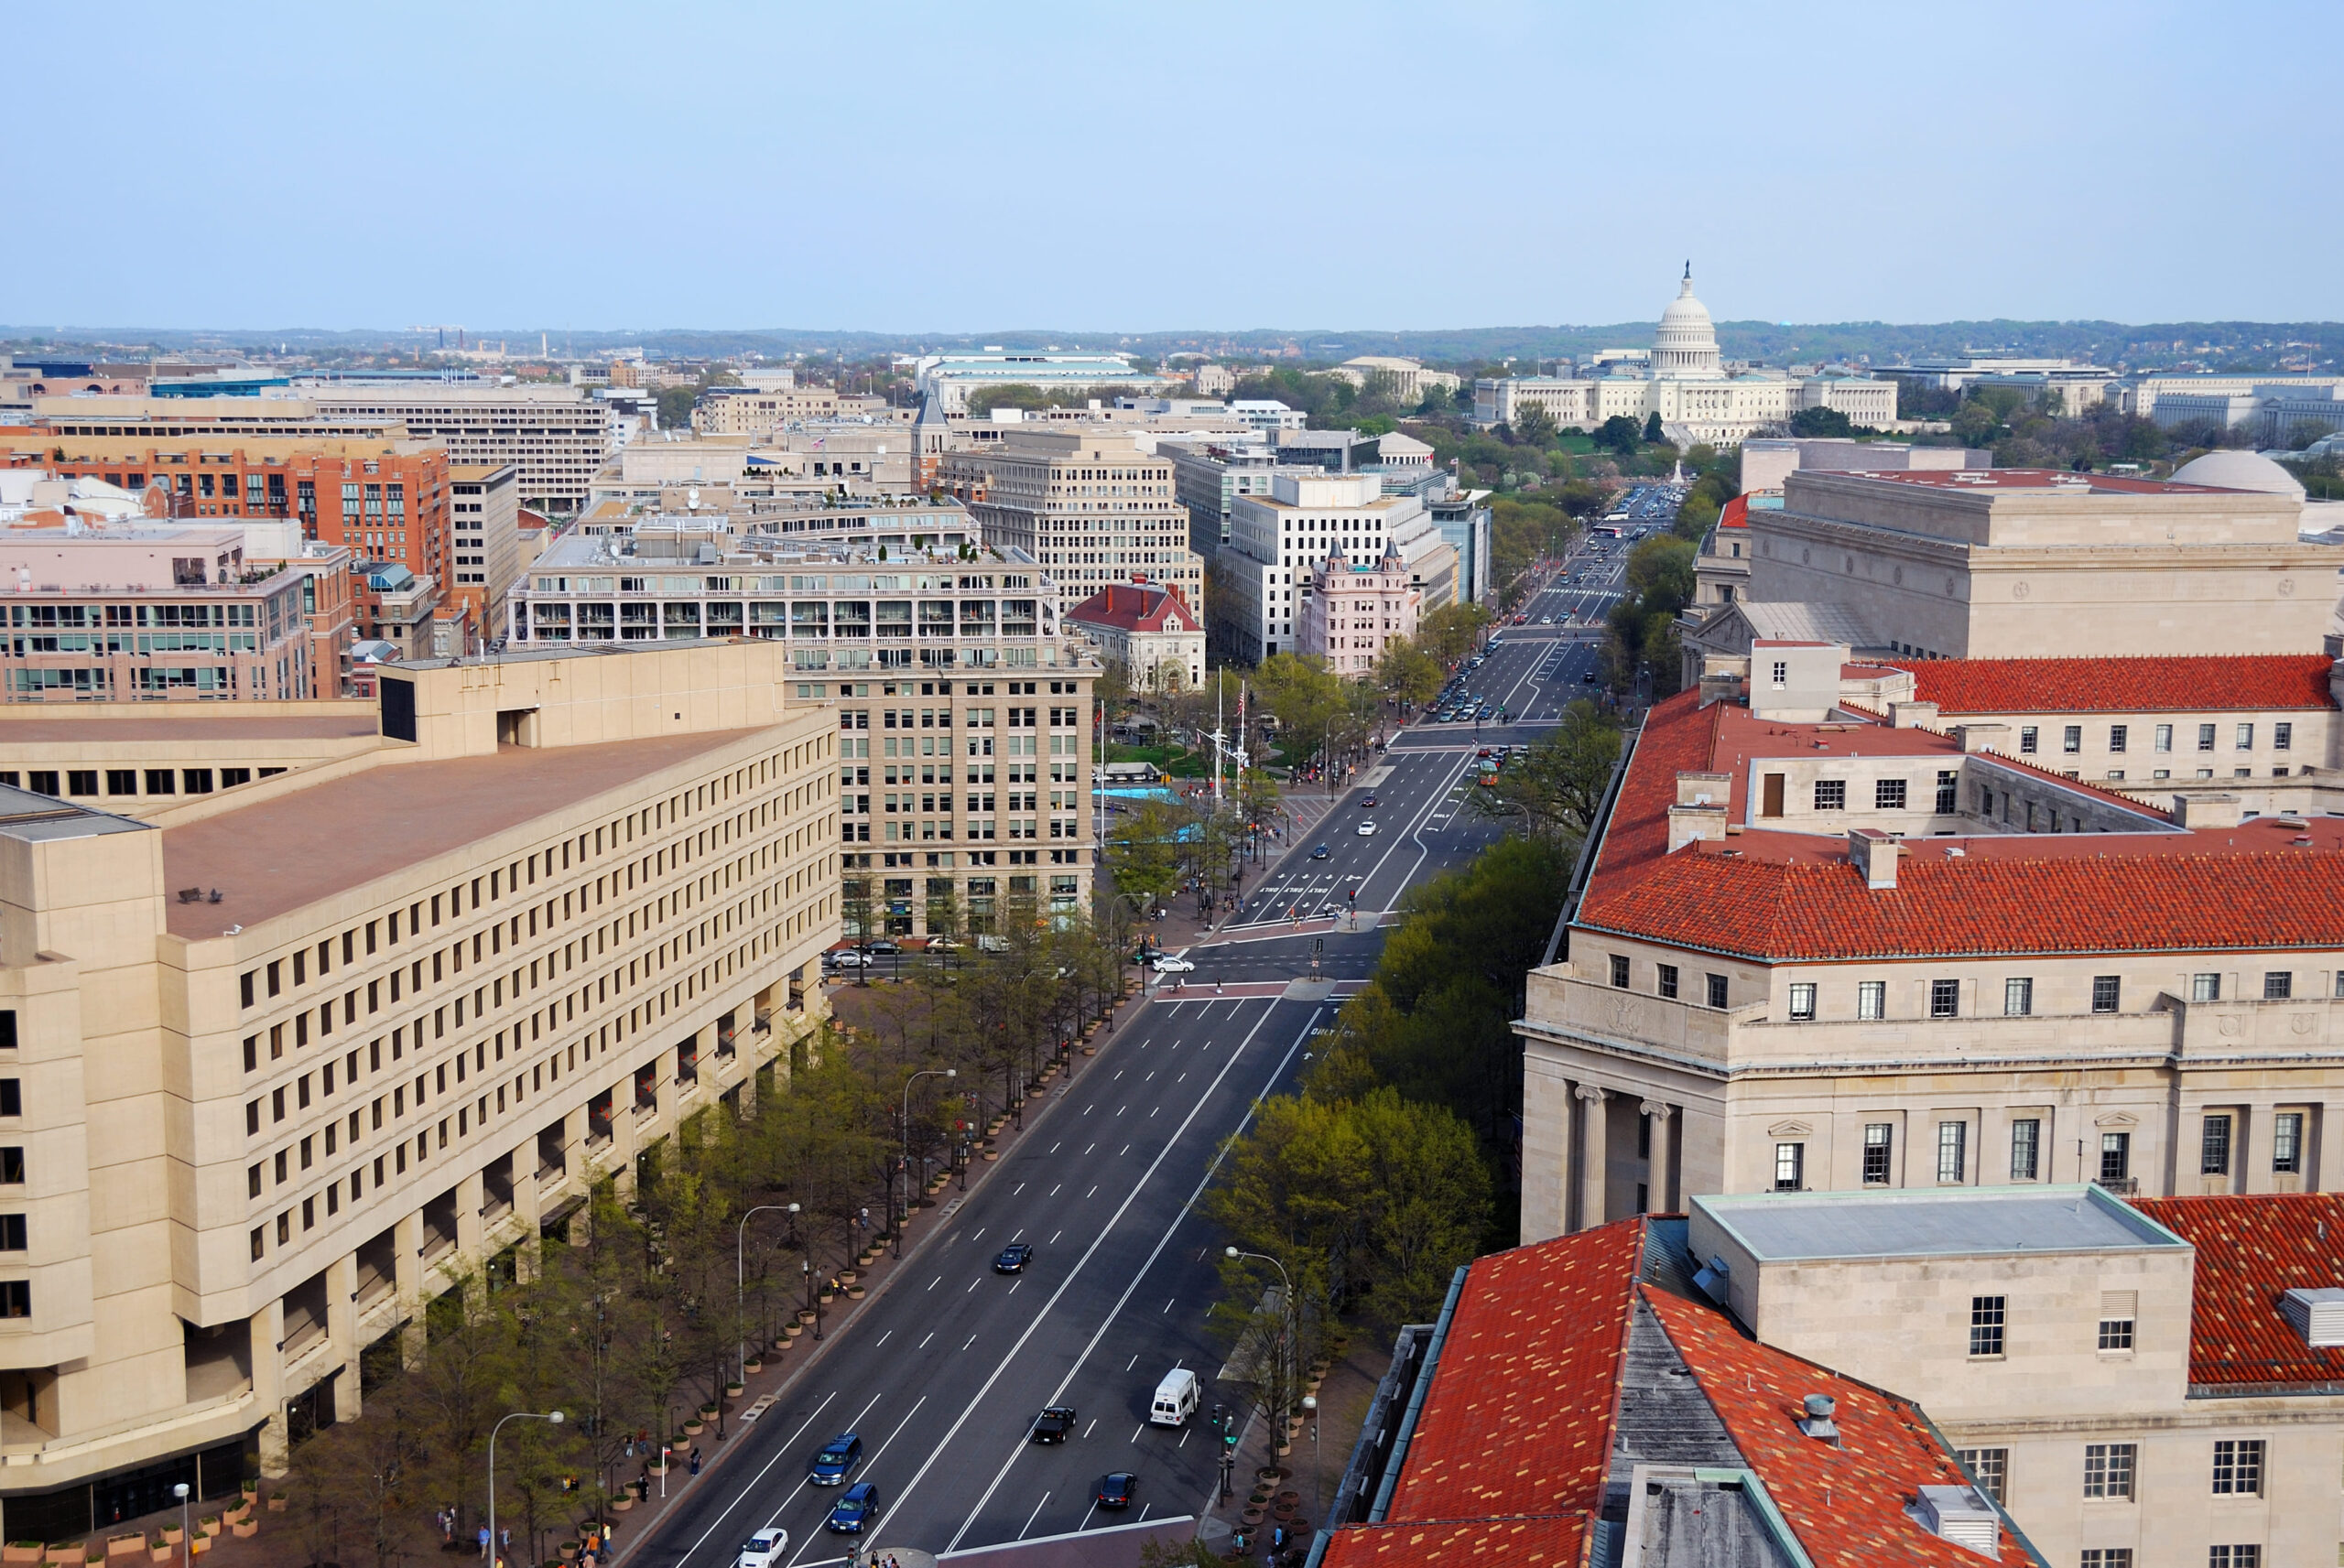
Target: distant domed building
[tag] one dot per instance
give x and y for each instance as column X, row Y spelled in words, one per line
column 1684, row 380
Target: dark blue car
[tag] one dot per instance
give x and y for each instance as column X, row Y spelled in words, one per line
column 1013, row 1258
column 836, row 1461
column 856, row 1510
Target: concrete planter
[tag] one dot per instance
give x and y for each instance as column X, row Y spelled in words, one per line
column 855, row 1293
column 245, row 1527
column 125, row 1545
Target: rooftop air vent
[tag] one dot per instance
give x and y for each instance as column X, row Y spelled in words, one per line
column 1960, row 1515
column 2317, row 1313
column 1817, row 1422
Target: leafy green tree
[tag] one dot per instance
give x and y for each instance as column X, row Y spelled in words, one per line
column 1551, row 789
column 1660, row 573
column 1534, row 426
column 1819, row 421
column 1426, row 1206
column 1451, row 632
column 1143, row 854
column 1652, row 426
column 1409, row 673
column 1619, row 434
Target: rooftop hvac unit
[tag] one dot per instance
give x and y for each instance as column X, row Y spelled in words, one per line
column 2317, row 1313
column 1960, row 1515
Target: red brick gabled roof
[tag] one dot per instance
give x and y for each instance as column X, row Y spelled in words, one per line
column 1519, row 1420
column 1771, row 895
column 2244, row 683
column 1846, row 1504
column 1133, row 606
column 2250, row 1252
column 1735, row 514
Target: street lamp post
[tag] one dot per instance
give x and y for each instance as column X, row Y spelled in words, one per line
column 553, row 1417
column 1310, row 1411
column 740, row 1280
column 1285, row 1341
column 928, row 1073
column 805, row 1264
column 186, row 1546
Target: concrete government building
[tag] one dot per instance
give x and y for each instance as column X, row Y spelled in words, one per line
column 277, row 1059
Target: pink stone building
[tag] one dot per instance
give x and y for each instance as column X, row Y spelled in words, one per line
column 1354, row 612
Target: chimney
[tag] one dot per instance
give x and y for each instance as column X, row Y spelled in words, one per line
column 2207, row 811
column 1687, row 824
column 1982, row 737
column 1910, row 715
column 1704, row 789
column 1817, row 1422
column 1874, row 852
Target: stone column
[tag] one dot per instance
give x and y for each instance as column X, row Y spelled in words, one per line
column 407, row 1258
column 1660, row 1179
column 267, row 1330
column 342, row 1326
column 2324, row 1152
column 1545, row 1154
column 1593, row 1178
column 472, row 1196
column 525, row 1205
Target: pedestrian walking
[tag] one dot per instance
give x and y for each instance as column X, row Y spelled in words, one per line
column 483, row 1543
column 695, row 1467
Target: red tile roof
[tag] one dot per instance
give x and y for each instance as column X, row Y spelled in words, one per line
column 2245, row 682
column 1846, row 1504
column 2250, row 1252
column 1133, row 606
column 1519, row 1420
column 1546, row 1541
column 1773, row 895
column 1735, row 514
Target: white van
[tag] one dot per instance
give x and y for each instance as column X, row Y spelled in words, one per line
column 1176, row 1399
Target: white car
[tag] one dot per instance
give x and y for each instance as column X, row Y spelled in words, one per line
column 764, row 1548
column 1173, row 964
column 1366, row 830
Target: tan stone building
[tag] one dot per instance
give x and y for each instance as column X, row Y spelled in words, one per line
column 2143, row 1387
column 1093, row 506
column 1819, row 948
column 2028, row 563
column 759, row 411
column 280, row 1057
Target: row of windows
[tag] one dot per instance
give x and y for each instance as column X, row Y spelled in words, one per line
column 2215, row 1147
column 2112, row 1472
column 2018, row 992
column 2071, row 737
column 125, row 781
column 1953, row 1153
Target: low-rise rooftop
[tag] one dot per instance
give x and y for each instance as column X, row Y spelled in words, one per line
column 1920, row 1222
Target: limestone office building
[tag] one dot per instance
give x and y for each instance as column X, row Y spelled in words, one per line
column 279, row 1060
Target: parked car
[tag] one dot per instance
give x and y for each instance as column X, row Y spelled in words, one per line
column 848, row 959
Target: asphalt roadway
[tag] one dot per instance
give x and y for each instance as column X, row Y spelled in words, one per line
column 943, row 1371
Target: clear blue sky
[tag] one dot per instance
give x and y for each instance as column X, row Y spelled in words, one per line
column 1140, row 166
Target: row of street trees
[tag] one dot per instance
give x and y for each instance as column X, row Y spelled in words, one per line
column 722, row 1237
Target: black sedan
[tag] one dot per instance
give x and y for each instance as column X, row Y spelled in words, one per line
column 1054, row 1423
column 1013, row 1258
column 1114, row 1490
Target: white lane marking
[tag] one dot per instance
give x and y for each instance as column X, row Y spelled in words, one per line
column 1053, row 1238
column 973, row 1339
column 935, row 1282
column 1032, row 1517
column 972, row 1285
column 1133, row 1362
column 1138, row 1430
column 1054, row 1148
column 1094, row 1190
column 1309, row 1026
column 803, row 1483
column 1054, row 1191
column 1034, row 1324
column 788, row 1444
column 923, row 1344
column 881, row 1340
column 1015, row 1189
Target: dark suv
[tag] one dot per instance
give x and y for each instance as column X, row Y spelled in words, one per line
column 1054, row 1423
